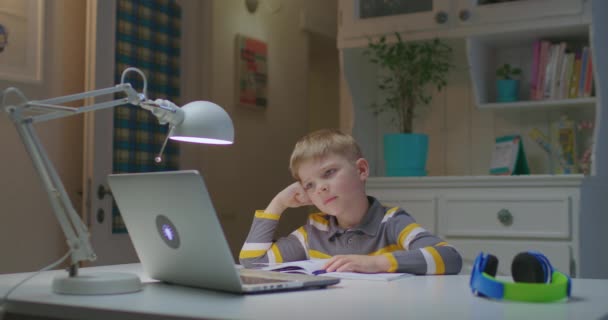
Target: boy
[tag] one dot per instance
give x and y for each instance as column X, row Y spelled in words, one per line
column 355, row 232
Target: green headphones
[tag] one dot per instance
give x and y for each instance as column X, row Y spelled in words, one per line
column 535, row 279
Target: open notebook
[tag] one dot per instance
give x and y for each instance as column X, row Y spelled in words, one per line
column 315, row 267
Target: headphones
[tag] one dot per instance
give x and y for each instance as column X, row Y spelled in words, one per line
column 535, row 279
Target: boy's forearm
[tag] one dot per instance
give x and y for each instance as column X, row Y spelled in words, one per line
column 276, row 207
column 259, row 239
column 428, row 260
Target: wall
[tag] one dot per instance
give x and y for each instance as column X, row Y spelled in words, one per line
column 245, row 176
column 30, row 237
column 323, row 82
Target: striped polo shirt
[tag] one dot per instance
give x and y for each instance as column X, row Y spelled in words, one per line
column 389, row 231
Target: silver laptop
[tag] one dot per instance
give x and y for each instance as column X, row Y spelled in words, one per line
column 178, row 237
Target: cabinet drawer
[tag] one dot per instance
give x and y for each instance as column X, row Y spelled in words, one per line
column 560, row 254
column 505, row 217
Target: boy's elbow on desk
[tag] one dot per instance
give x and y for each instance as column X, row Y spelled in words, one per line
column 249, row 261
column 453, row 260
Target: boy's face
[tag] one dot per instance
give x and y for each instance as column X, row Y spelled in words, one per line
column 333, row 183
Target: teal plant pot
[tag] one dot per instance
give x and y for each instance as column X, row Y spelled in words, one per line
column 508, row 90
column 405, row 154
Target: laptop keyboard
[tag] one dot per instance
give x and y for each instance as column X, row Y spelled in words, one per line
column 257, row 280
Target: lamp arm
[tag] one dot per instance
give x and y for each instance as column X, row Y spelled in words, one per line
column 51, row 108
column 75, row 231
column 26, row 113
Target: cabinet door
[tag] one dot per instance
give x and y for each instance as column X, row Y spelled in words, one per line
column 366, row 18
column 506, row 216
column 485, row 12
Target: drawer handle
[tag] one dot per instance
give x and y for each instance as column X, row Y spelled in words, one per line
column 441, row 17
column 505, row 217
column 464, row 15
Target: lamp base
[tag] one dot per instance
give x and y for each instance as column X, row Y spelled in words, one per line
column 97, row 283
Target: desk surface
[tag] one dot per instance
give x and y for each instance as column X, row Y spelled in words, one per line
column 425, row 297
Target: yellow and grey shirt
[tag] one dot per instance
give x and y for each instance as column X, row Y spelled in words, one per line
column 383, row 230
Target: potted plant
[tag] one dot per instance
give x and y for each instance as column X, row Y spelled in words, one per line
column 409, row 70
column 507, row 85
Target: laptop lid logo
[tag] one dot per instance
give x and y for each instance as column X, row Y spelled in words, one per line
column 167, row 231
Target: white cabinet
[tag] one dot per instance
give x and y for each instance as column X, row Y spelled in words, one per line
column 498, row 215
column 356, row 20
column 475, row 12
column 424, row 19
column 563, row 216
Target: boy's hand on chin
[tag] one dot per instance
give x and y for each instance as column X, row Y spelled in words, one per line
column 358, row 263
column 293, row 196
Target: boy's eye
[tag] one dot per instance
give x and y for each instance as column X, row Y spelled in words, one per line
column 329, row 172
column 308, row 186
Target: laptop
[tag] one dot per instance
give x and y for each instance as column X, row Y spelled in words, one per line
column 178, row 237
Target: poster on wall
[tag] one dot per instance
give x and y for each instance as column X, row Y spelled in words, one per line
column 21, row 40
column 251, row 72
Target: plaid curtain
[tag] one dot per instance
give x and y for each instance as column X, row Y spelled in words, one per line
column 147, row 37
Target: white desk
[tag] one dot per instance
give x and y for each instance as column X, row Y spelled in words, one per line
column 427, row 297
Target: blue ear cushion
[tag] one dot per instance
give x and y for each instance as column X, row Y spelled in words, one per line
column 528, row 267
column 491, row 265
column 547, row 267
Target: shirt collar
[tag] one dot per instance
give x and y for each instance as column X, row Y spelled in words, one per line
column 369, row 224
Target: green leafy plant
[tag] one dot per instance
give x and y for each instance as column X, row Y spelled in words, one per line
column 507, row 72
column 409, row 67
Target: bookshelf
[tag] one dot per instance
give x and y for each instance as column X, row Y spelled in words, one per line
column 487, row 52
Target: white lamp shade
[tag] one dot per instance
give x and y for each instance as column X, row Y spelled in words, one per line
column 204, row 122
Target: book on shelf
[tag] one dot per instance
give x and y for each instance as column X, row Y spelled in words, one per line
column 542, row 66
column 558, row 63
column 561, row 70
column 583, row 76
column 576, row 73
column 588, row 77
column 535, row 66
column 549, row 77
column 561, row 90
column 315, row 267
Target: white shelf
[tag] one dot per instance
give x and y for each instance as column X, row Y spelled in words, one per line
column 485, row 181
column 536, row 104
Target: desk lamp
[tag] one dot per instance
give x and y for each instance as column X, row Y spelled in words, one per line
column 198, row 121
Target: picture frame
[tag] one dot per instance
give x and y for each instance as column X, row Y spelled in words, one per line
column 21, row 41
column 251, row 72
column 509, row 157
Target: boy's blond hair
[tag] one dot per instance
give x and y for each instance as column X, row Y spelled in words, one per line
column 320, row 143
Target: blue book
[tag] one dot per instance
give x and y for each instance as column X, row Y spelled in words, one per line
column 581, row 79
